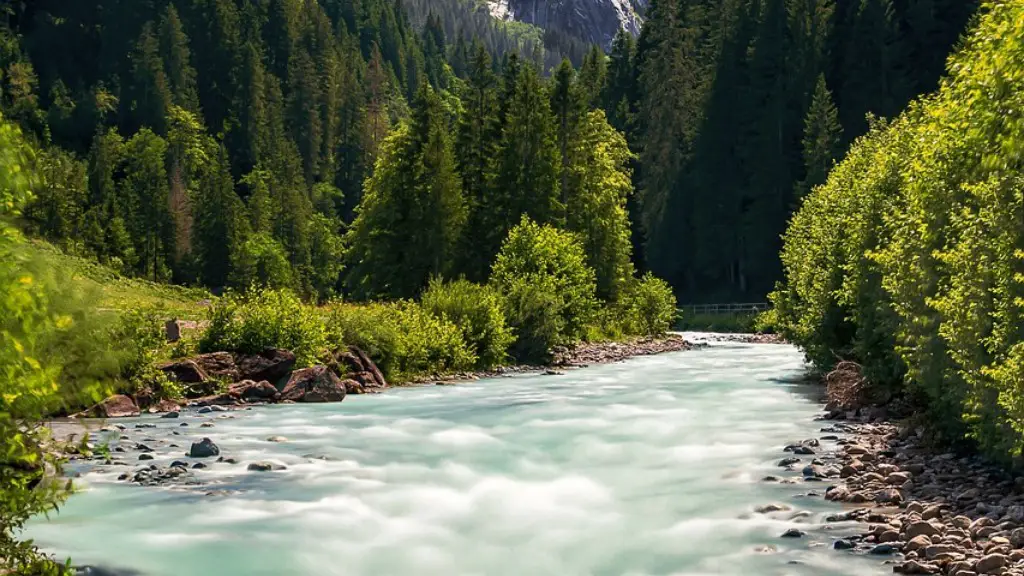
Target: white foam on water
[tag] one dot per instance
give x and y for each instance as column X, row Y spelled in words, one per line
column 647, row 467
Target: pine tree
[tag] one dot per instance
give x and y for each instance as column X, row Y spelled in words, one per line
column 151, row 96
column 181, row 76
column 303, row 117
column 145, row 188
column 412, row 212
column 527, row 176
column 477, row 148
column 568, row 103
column 620, row 88
column 220, row 225
column 593, row 76
column 822, row 138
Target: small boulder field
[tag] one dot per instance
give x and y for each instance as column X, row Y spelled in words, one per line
column 235, row 379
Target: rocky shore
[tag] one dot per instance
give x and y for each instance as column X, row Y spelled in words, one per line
column 587, row 353
column 924, row 511
column 935, row 513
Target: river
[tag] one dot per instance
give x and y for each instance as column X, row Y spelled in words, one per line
column 651, row 466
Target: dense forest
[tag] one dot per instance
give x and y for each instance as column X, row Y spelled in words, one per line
column 230, row 143
column 222, row 143
column 739, row 107
column 909, row 261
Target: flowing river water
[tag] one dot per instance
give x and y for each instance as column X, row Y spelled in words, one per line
column 651, row 466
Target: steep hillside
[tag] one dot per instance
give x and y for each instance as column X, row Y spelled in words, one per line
column 594, row 21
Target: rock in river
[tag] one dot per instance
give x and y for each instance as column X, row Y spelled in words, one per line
column 205, row 448
column 316, row 384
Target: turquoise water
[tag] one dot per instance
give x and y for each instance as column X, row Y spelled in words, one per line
column 650, row 466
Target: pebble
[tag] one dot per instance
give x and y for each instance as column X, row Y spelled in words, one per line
column 793, row 533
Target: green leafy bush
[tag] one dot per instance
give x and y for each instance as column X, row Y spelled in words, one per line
column 402, row 338
column 266, row 318
column 477, row 311
column 29, row 387
column 549, row 289
column 648, row 306
column 908, row 260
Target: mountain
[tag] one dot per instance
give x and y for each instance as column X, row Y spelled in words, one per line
column 594, row 21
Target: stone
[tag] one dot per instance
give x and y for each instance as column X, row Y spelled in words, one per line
column 843, row 545
column 788, row 462
column 888, row 536
column 116, row 406
column 803, row 450
column 170, row 415
column 252, row 391
column 185, row 372
column 921, row 528
column 769, row 508
column 897, row 478
column 888, row 496
column 265, row 466
column 991, row 564
column 883, row 550
column 179, row 464
column 205, row 448
column 145, row 456
column 198, row 466
column 915, row 567
column 271, row 364
column 353, row 386
column 933, row 511
column 962, row 522
column 793, row 533
column 316, row 384
column 856, row 450
column 1017, row 537
column 933, row 551
column 917, row 543
column 218, row 365
column 371, row 367
column 847, row 471
column 277, row 439
column 174, row 329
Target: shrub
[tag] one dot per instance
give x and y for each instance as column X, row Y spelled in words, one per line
column 402, row 338
column 908, row 259
column 549, row 289
column 477, row 311
column 261, row 261
column 28, row 388
column 265, row 318
column 649, row 306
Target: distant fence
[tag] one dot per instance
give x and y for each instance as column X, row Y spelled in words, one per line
column 731, row 308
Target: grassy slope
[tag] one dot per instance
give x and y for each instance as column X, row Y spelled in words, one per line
column 114, row 292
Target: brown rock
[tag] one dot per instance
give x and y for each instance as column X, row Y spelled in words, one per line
column 915, row 567
column 357, row 365
column 897, row 478
column 921, row 528
column 116, row 406
column 961, row 522
column 250, row 391
column 164, row 405
column 353, row 386
column 991, row 564
column 917, row 543
column 888, row 536
column 272, row 365
column 316, row 384
column 1017, row 538
column 931, row 552
column 933, row 511
column 219, row 365
column 185, row 372
column 888, row 496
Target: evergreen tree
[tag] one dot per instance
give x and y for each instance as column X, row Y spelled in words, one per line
column 146, row 193
column 822, row 136
column 568, row 103
column 220, row 225
column 150, row 94
column 526, row 179
column 412, row 211
column 181, row 76
column 593, row 77
column 476, row 148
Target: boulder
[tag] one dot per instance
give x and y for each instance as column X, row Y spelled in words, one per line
column 353, row 386
column 915, row 567
column 185, row 372
column 205, row 448
column 220, row 365
column 272, row 365
column 991, row 564
column 917, row 543
column 357, row 365
column 249, row 391
column 921, row 528
column 174, row 329
column 164, row 405
column 265, row 466
column 116, row 406
column 316, row 384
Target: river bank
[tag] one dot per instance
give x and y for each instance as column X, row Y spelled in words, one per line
column 650, row 466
